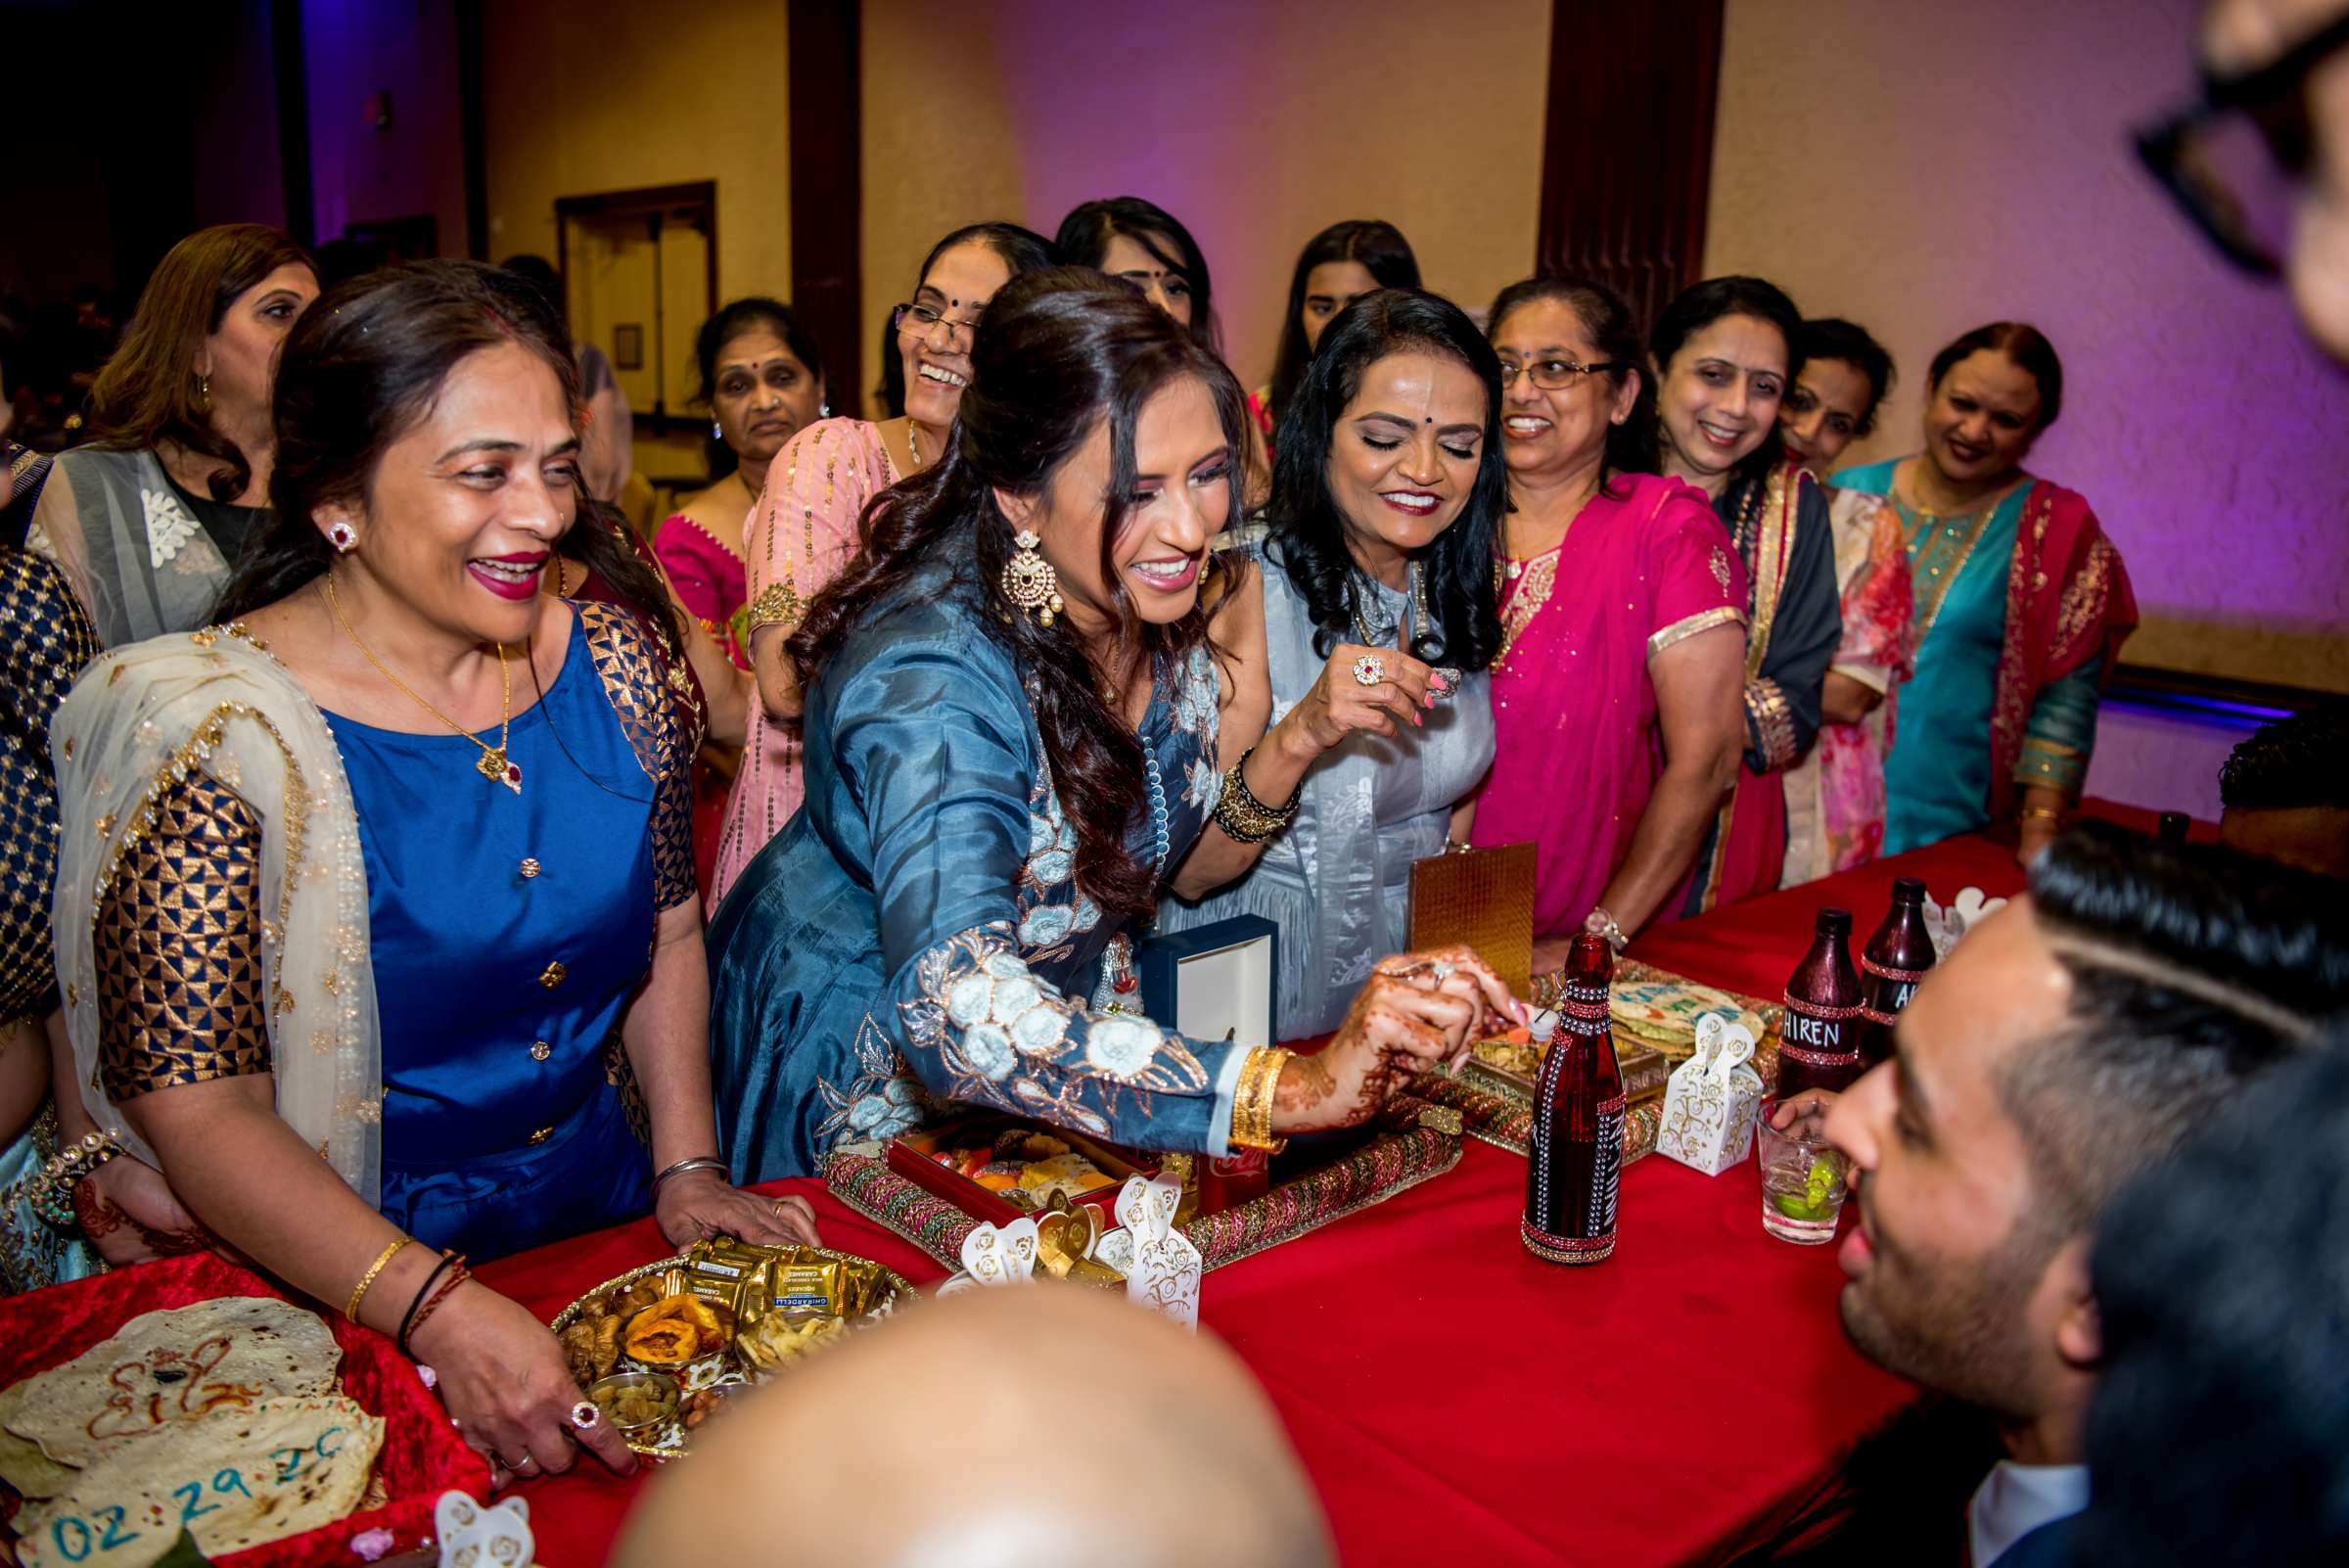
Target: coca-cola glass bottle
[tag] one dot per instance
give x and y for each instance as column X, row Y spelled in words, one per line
column 1892, row 963
column 1576, row 1162
column 1817, row 1047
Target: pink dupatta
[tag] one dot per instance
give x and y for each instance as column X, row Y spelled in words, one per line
column 1574, row 713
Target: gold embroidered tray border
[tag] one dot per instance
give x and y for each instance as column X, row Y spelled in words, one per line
column 1390, row 1163
column 1506, row 1122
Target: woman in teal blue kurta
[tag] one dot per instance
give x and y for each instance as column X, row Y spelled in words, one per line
column 2021, row 603
column 1013, row 736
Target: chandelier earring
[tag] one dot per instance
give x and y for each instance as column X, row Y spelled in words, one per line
column 1029, row 581
column 204, row 391
column 342, row 536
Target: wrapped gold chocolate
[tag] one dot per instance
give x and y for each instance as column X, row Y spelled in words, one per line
column 733, row 1274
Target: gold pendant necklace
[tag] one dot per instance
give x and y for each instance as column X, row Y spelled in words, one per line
column 493, row 764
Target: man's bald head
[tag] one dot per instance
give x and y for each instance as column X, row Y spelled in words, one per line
column 1022, row 1428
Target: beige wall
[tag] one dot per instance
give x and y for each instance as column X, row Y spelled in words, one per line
column 586, row 96
column 1256, row 124
column 1922, row 169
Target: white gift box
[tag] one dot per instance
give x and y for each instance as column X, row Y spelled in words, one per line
column 1711, row 1100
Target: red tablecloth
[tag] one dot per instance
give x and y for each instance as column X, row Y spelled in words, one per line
column 1458, row 1401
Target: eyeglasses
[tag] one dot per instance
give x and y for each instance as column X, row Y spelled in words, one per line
column 1552, row 375
column 2234, row 161
column 924, row 318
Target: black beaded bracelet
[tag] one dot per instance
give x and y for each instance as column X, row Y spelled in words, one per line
column 407, row 1319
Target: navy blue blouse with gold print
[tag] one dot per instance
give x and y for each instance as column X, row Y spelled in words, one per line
column 509, row 932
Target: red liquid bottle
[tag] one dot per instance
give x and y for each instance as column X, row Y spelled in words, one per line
column 1817, row 1046
column 1892, row 965
column 1576, row 1162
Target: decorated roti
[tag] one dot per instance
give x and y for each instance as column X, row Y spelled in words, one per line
column 1663, row 1013
column 240, row 1477
column 161, row 1371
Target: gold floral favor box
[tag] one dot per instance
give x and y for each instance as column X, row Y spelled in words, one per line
column 1712, row 1099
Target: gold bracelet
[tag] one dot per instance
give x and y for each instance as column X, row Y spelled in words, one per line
column 1252, row 1099
column 2044, row 813
column 351, row 1311
column 1243, row 817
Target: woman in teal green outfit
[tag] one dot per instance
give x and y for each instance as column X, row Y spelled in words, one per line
column 2021, row 603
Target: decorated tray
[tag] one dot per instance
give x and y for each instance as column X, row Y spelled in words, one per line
column 752, row 1340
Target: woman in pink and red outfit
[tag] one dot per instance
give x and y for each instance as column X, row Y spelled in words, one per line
column 1616, row 707
column 1835, row 794
column 762, row 380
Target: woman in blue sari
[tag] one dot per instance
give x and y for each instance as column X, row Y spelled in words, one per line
column 376, row 918
column 2022, row 603
column 1013, row 738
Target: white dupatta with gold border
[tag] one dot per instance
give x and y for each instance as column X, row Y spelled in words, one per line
column 142, row 718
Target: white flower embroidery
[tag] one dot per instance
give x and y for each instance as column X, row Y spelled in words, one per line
column 1203, row 784
column 1123, row 1046
column 989, row 1051
column 168, row 526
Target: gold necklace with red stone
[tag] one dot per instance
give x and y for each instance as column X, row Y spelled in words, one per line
column 494, row 765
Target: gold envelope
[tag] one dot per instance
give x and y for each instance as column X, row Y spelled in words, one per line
column 1481, row 899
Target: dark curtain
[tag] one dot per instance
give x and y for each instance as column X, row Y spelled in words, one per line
column 827, row 181
column 1627, row 152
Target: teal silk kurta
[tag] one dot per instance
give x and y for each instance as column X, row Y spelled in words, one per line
column 915, row 934
column 1937, row 776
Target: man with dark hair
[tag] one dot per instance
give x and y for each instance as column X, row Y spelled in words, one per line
column 2286, row 794
column 2223, row 1283
column 2065, row 1046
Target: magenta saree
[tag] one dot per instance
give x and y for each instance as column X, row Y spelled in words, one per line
column 1574, row 713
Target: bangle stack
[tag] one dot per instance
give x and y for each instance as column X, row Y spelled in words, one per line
column 1243, row 817
column 409, row 1319
column 358, row 1294
column 457, row 1274
column 696, row 1161
column 52, row 1190
column 1252, row 1100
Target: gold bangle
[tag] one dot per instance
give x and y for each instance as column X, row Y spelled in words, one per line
column 2045, row 813
column 1243, row 817
column 351, row 1311
column 1252, row 1099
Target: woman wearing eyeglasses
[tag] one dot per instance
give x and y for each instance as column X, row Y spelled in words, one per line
column 1615, row 701
column 2021, row 603
column 805, row 528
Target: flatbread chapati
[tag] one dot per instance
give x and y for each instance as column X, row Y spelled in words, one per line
column 237, row 1477
column 164, row 1369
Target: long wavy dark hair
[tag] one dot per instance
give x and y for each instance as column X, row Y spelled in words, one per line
column 1304, row 516
column 359, row 370
column 148, row 393
column 1084, row 242
column 1058, row 352
column 1698, row 306
column 1608, row 320
column 733, row 319
column 1383, row 251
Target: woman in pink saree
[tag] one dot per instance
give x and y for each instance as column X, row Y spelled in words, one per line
column 806, row 523
column 1616, row 701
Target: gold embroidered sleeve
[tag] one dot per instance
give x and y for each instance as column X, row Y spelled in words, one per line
column 181, row 989
column 630, row 671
